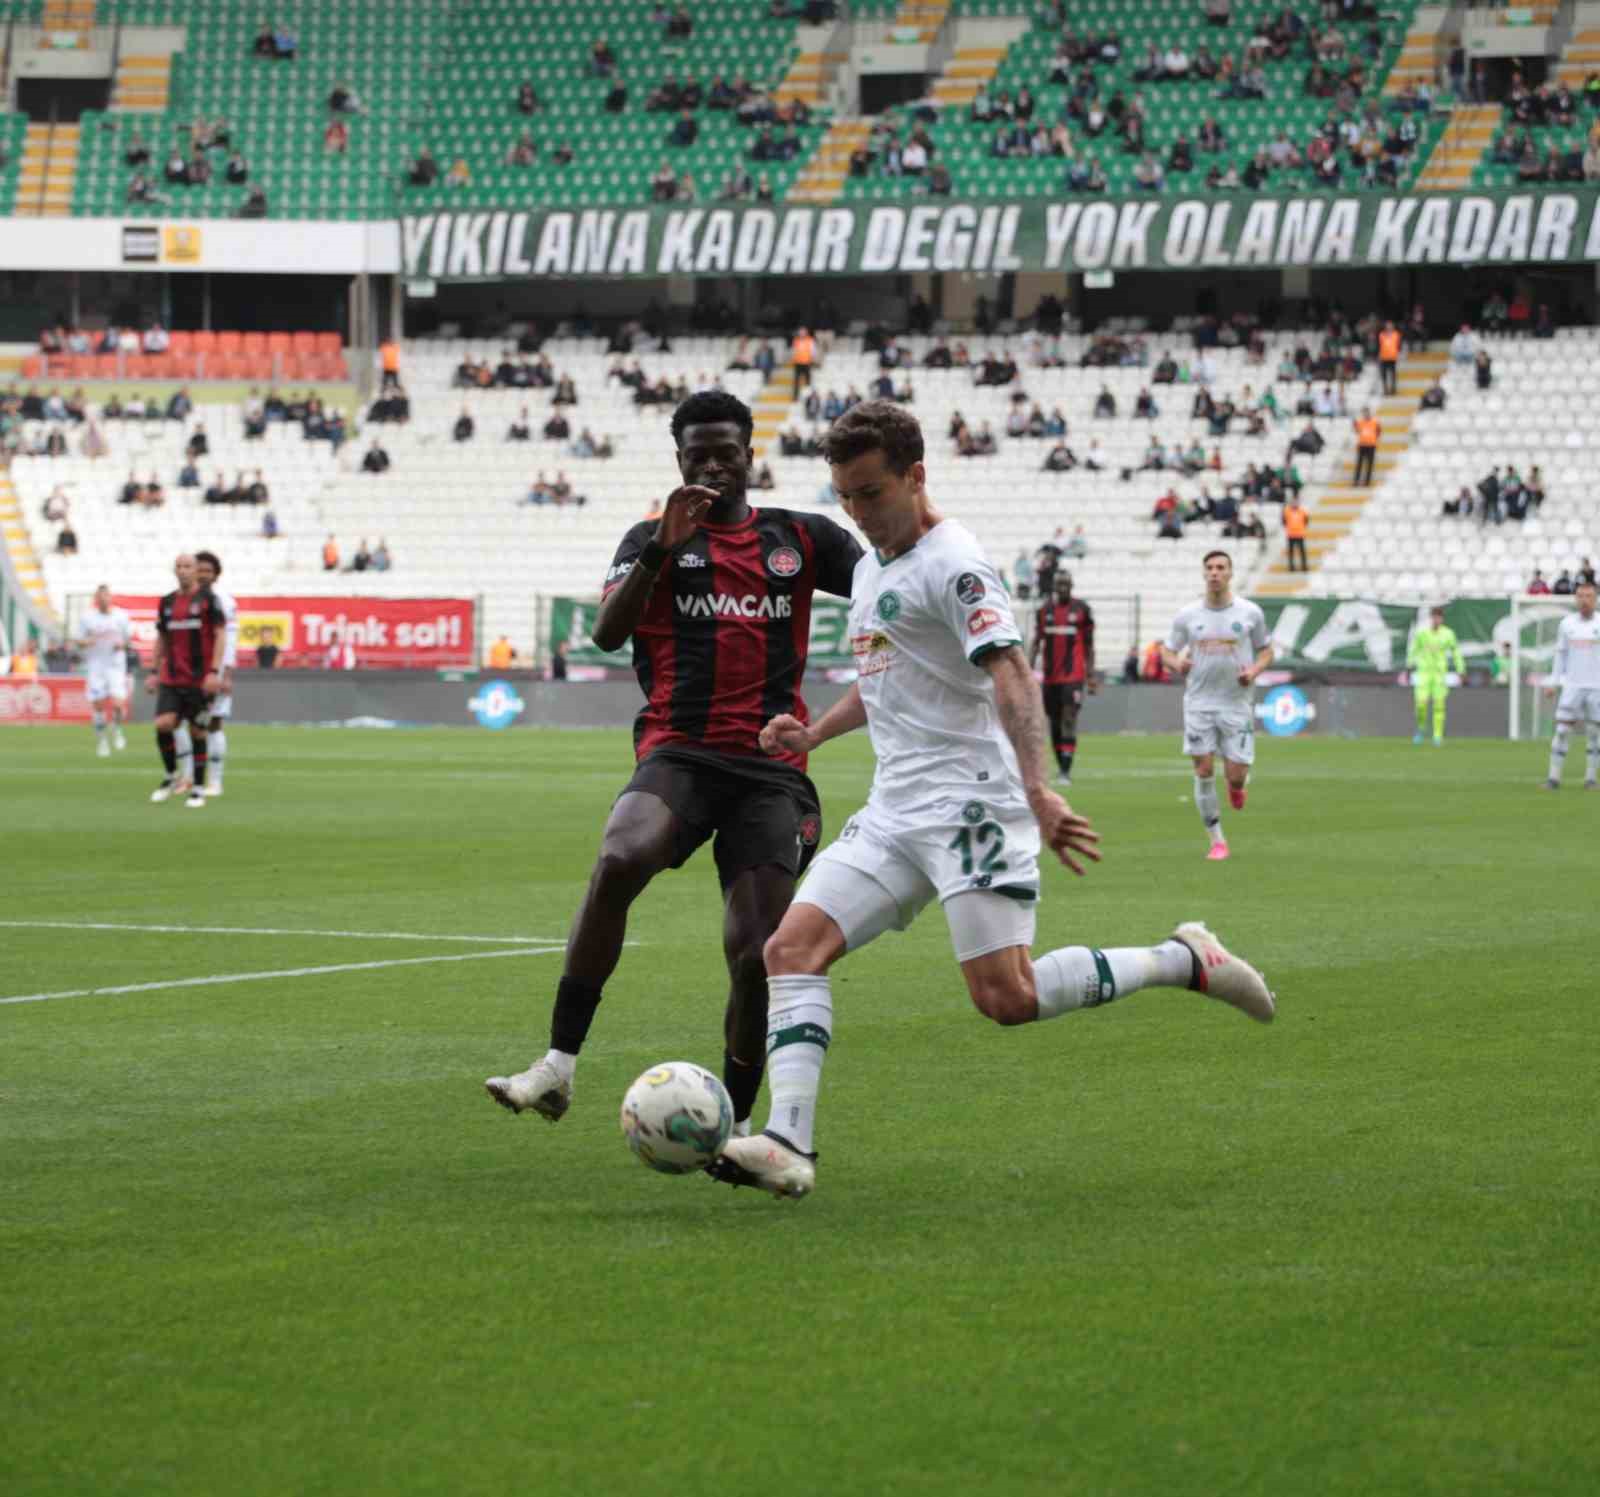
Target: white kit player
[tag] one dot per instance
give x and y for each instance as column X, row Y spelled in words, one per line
column 104, row 640
column 1577, row 675
column 208, row 569
column 959, row 808
column 1219, row 646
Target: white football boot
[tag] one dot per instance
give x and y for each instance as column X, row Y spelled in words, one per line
column 120, row 741
column 103, row 749
column 541, row 1089
column 1224, row 976
column 196, row 799
column 168, row 788
column 769, row 1164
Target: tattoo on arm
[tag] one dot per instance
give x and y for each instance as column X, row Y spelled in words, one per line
column 1021, row 714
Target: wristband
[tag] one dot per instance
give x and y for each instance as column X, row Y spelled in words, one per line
column 653, row 557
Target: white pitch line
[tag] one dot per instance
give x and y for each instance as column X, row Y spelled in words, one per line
column 262, row 930
column 226, row 977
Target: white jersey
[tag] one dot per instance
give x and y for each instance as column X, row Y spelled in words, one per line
column 106, row 636
column 1577, row 663
column 917, row 625
column 1221, row 643
column 230, row 613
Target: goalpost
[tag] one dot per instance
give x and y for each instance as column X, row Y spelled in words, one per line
column 1531, row 641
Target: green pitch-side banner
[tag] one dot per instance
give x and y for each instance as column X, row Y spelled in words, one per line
column 1146, row 233
column 572, row 620
column 1357, row 634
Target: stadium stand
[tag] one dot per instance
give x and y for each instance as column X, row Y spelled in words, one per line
column 1536, row 413
column 204, row 355
column 454, row 517
column 275, row 111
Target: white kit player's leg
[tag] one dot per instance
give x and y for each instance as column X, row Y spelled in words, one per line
column 1591, row 763
column 1205, row 802
column 1559, row 744
column 102, row 725
column 185, row 747
column 216, row 748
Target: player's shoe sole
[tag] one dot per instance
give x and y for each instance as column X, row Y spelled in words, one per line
column 538, row 1089
column 768, row 1163
column 1224, row 976
column 1218, row 853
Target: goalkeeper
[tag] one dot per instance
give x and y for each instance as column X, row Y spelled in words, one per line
column 1433, row 652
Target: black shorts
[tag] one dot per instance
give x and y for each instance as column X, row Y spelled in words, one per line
column 760, row 812
column 189, row 703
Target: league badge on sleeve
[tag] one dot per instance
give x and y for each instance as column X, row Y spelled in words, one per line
column 969, row 588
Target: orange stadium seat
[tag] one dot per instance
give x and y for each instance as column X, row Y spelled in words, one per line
column 180, row 342
column 254, row 342
column 329, row 343
column 230, row 342
column 32, row 366
column 279, row 343
column 204, row 342
column 303, row 343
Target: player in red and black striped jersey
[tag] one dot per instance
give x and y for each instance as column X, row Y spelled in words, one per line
column 716, row 596
column 191, row 639
column 1064, row 635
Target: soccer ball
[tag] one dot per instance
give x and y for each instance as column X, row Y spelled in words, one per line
column 676, row 1117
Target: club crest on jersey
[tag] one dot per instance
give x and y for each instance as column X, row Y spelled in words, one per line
column 972, row 813
column 969, row 587
column 889, row 606
column 783, row 562
column 980, row 619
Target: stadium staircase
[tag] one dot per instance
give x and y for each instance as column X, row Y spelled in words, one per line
column 1336, row 507
column 1418, row 62
column 143, row 84
column 1579, row 58
column 770, row 408
column 968, row 70
column 24, row 562
column 809, row 78
column 1459, row 152
column 49, row 170
column 68, row 18
column 922, row 19
column 826, row 169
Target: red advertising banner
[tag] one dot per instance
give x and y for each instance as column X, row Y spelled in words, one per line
column 44, row 699
column 386, row 633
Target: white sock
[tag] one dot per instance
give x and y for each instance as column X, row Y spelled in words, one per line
column 1591, row 763
column 100, row 726
column 1205, row 802
column 216, row 747
column 1558, row 751
column 563, row 1064
column 799, row 1030
column 1082, row 977
column 185, row 747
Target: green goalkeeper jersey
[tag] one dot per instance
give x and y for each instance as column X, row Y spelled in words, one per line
column 1433, row 650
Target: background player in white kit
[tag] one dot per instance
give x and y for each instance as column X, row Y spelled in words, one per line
column 959, row 807
column 1577, row 674
column 1219, row 646
column 104, row 640
column 208, row 568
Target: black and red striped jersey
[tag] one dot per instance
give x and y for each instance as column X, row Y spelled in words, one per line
column 721, row 646
column 189, row 623
column 1067, row 630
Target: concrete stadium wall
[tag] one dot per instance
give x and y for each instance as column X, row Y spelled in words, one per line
column 416, row 698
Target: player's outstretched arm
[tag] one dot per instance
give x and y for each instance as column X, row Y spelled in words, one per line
column 787, row 734
column 1068, row 835
column 624, row 605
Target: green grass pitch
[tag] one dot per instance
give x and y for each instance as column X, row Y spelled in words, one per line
column 268, row 1236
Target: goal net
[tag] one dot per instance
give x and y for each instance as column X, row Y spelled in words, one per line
column 1529, row 648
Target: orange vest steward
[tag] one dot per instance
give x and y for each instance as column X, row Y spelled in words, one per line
column 1294, row 522
column 1367, row 433
column 1389, row 345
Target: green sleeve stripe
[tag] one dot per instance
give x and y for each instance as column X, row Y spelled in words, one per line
column 982, row 651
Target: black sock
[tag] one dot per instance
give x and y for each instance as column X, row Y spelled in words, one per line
column 1066, row 761
column 199, row 752
column 574, row 1012
column 169, row 753
column 743, row 1080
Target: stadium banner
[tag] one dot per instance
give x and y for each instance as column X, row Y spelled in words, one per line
column 257, row 246
column 45, row 699
column 393, row 633
column 1359, row 634
column 572, row 622
column 1038, row 234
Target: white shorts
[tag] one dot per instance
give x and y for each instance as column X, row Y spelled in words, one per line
column 108, row 683
column 1578, row 704
column 1230, row 732
column 983, row 868
column 221, row 705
